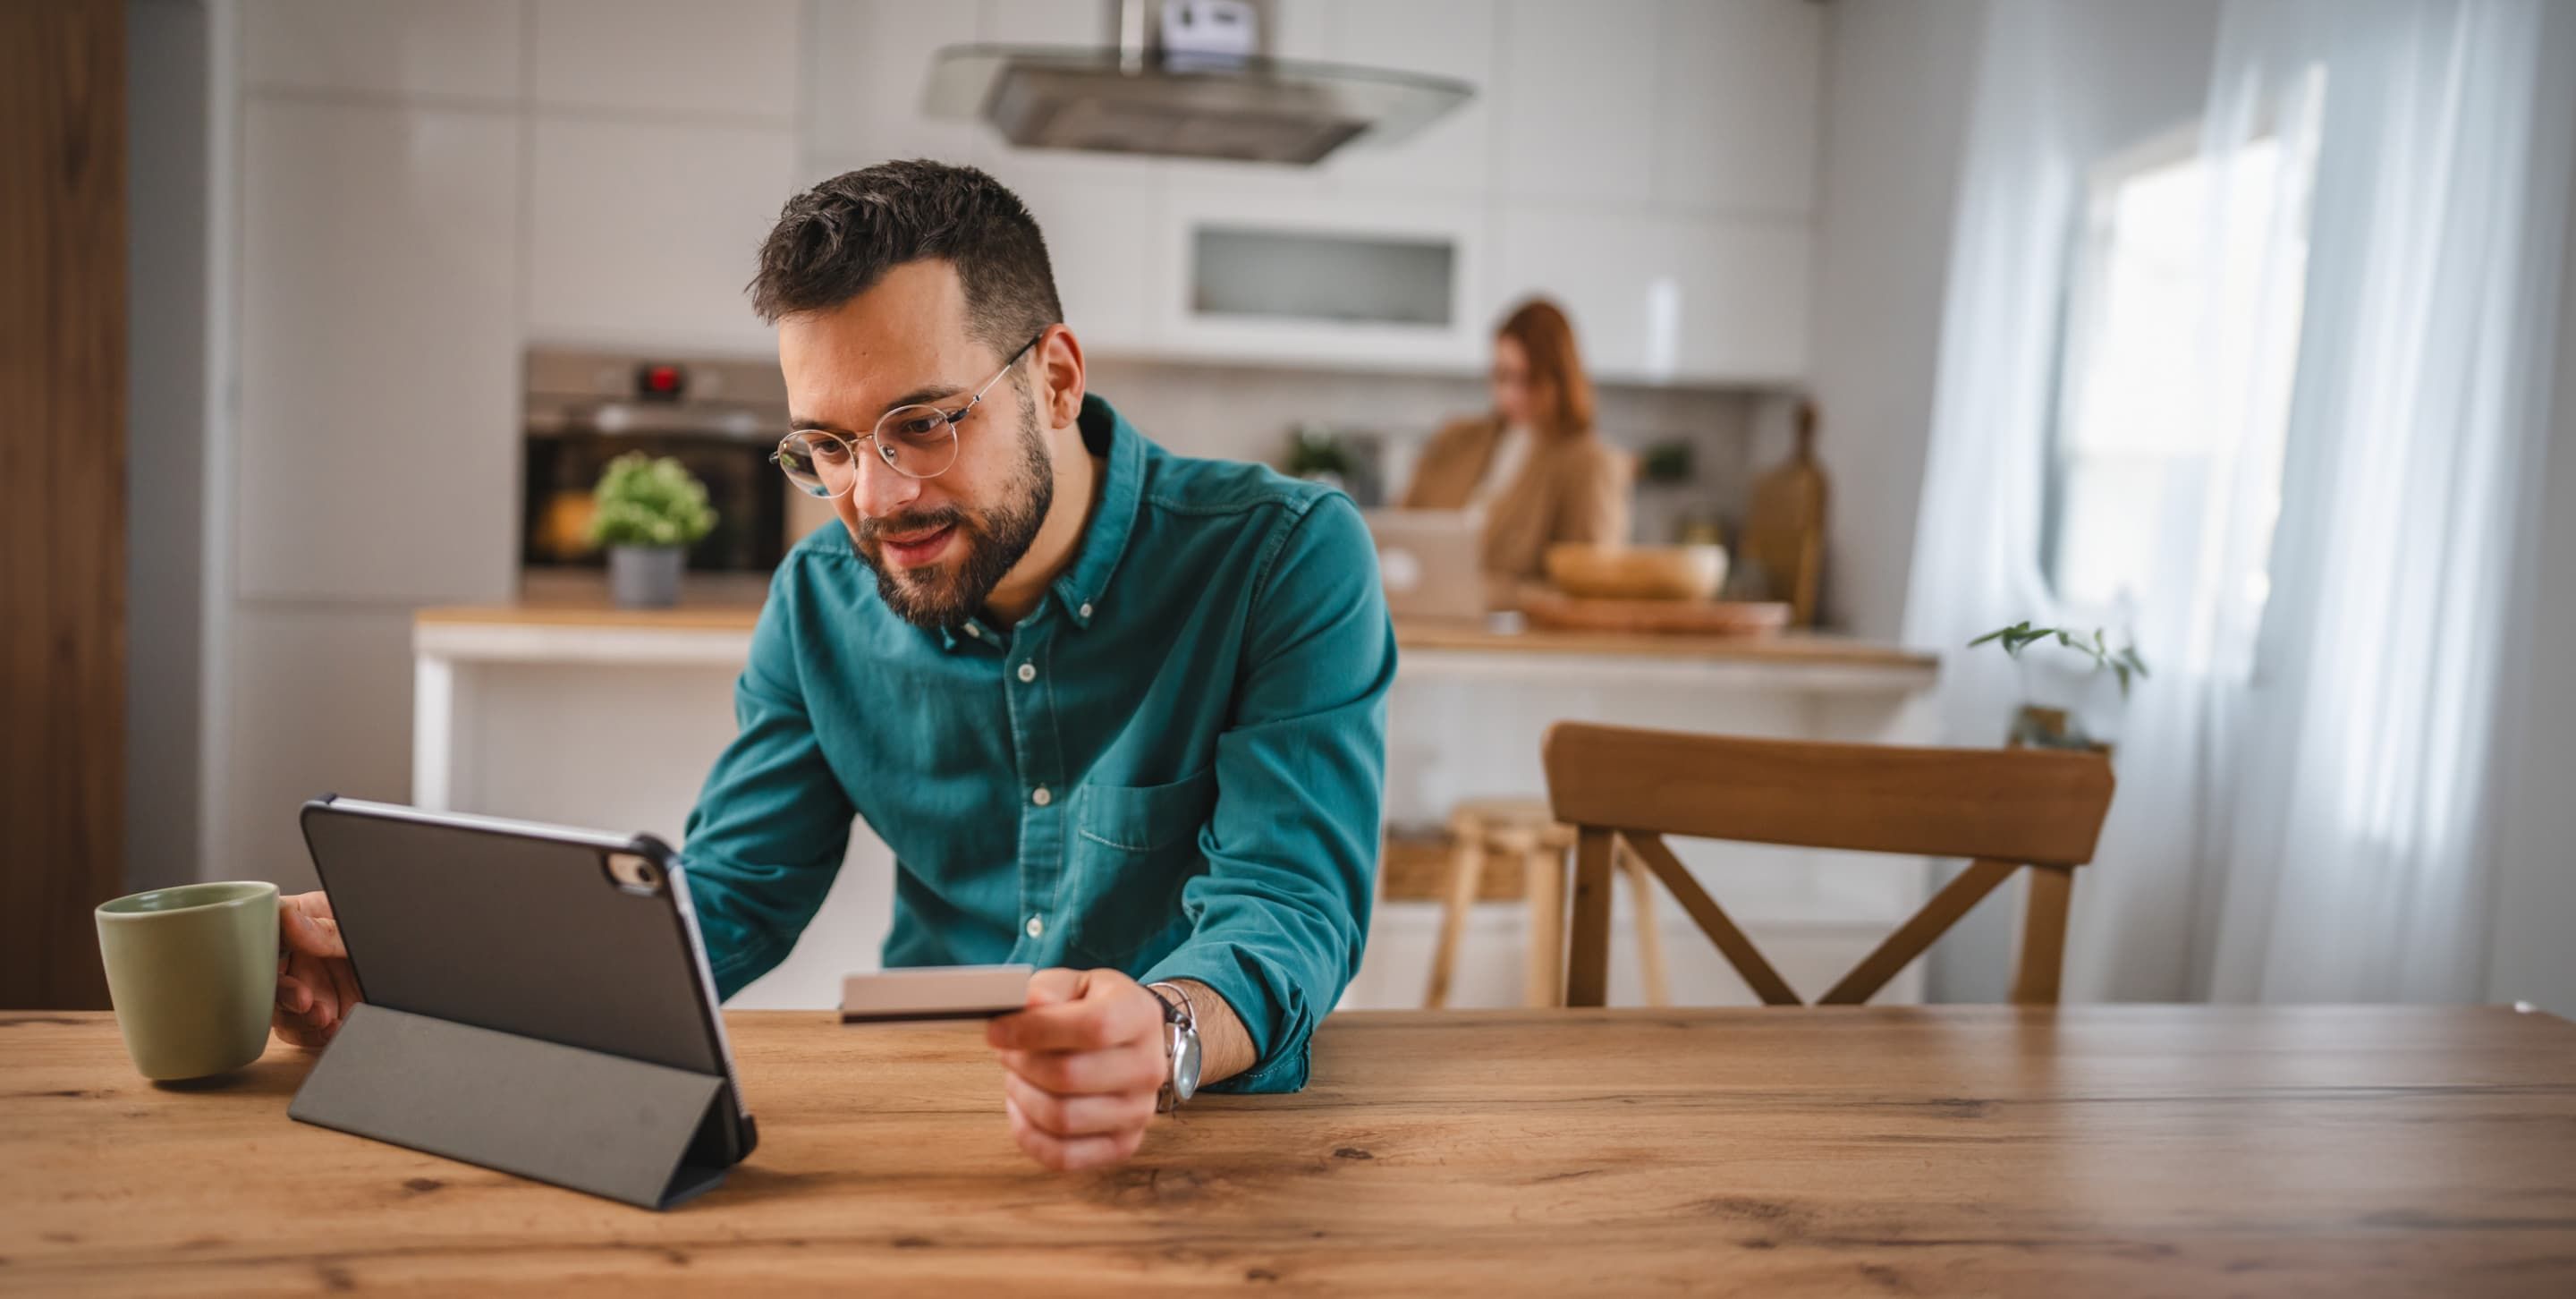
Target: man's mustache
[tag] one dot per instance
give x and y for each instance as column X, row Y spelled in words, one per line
column 873, row 530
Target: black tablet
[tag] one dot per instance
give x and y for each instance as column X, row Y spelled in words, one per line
column 560, row 935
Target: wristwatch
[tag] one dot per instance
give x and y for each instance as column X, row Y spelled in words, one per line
column 1181, row 1049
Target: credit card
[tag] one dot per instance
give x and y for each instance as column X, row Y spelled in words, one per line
column 934, row 992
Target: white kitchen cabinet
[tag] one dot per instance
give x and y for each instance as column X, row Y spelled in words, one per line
column 379, row 353
column 1739, row 102
column 644, row 233
column 1661, row 298
column 1041, row 22
column 1649, row 162
column 866, row 68
column 739, row 59
column 1576, row 85
column 1100, row 237
column 317, row 701
column 462, row 48
column 1709, row 106
column 1210, row 303
column 1445, row 38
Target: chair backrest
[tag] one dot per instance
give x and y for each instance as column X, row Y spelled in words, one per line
column 2003, row 808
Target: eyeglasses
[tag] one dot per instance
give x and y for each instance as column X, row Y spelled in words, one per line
column 914, row 441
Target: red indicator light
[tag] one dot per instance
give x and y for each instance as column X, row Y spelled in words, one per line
column 657, row 381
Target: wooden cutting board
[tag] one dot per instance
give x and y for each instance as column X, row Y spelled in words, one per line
column 1680, row 617
column 1782, row 546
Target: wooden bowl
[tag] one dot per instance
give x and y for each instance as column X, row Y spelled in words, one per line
column 1636, row 572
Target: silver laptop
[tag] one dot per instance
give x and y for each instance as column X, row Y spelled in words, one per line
column 1431, row 562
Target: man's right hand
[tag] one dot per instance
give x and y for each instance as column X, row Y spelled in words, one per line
column 315, row 985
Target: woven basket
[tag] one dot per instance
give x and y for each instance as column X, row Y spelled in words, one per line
column 1414, row 867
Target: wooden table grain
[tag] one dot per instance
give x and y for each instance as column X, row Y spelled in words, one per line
column 1928, row 1151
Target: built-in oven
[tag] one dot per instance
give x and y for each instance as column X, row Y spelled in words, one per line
column 720, row 418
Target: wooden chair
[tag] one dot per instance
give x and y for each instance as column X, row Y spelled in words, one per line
column 2004, row 809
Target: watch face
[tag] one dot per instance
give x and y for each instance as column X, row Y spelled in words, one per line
column 1185, row 1063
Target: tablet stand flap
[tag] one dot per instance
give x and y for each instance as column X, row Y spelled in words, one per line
column 600, row 1123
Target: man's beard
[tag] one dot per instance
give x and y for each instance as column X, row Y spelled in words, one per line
column 994, row 540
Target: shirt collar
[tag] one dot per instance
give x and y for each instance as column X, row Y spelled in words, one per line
column 1080, row 588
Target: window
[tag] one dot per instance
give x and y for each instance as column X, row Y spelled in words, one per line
column 2179, row 342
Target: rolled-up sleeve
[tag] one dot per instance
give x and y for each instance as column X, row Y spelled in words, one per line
column 1281, row 914
column 773, row 822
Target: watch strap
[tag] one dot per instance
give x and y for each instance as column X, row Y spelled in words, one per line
column 1180, row 1018
column 1177, row 1008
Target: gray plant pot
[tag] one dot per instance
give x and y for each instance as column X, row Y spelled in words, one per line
column 645, row 577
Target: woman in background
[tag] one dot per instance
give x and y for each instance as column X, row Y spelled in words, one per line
column 1534, row 465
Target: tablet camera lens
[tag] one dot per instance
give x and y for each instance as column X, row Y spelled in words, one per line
column 633, row 873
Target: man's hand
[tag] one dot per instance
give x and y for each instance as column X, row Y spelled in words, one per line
column 1083, row 1063
column 315, row 986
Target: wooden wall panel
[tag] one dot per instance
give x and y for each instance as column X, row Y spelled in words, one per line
column 62, row 510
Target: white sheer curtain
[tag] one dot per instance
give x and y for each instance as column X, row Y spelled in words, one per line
column 2356, row 866
column 2306, row 780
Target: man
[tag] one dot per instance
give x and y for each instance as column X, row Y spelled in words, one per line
column 1117, row 712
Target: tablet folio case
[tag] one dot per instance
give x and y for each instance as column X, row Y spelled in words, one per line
column 625, row 1129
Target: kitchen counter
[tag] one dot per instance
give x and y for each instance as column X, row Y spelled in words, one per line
column 570, row 625
column 560, row 707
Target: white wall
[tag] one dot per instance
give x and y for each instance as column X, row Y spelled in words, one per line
column 2533, row 952
column 1897, row 80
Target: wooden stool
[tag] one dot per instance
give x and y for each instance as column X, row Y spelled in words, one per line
column 1522, row 833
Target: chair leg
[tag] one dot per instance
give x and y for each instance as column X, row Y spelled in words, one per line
column 2043, row 935
column 1650, row 946
column 1543, row 873
column 1587, row 963
column 1466, row 876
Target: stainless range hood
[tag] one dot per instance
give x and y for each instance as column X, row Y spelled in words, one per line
column 1185, row 79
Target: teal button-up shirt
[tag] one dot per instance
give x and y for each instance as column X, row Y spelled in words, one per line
column 1171, row 767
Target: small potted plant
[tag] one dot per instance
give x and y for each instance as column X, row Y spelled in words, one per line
column 649, row 512
column 2064, row 705
column 1316, row 454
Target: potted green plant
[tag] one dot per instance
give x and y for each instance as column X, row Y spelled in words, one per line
column 649, row 512
column 1317, row 453
column 2064, row 703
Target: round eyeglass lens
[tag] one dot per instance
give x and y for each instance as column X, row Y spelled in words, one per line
column 919, row 441
column 820, row 464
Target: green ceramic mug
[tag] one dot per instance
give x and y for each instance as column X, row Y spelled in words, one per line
column 193, row 972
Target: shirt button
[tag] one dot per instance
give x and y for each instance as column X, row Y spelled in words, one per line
column 1028, row 672
column 974, row 631
column 1086, row 611
column 1037, row 927
column 1042, row 797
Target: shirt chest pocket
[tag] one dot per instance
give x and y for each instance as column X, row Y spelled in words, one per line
column 1133, row 848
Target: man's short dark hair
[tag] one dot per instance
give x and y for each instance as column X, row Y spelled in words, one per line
column 835, row 241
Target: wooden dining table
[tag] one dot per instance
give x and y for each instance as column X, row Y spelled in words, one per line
column 2099, row 1150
